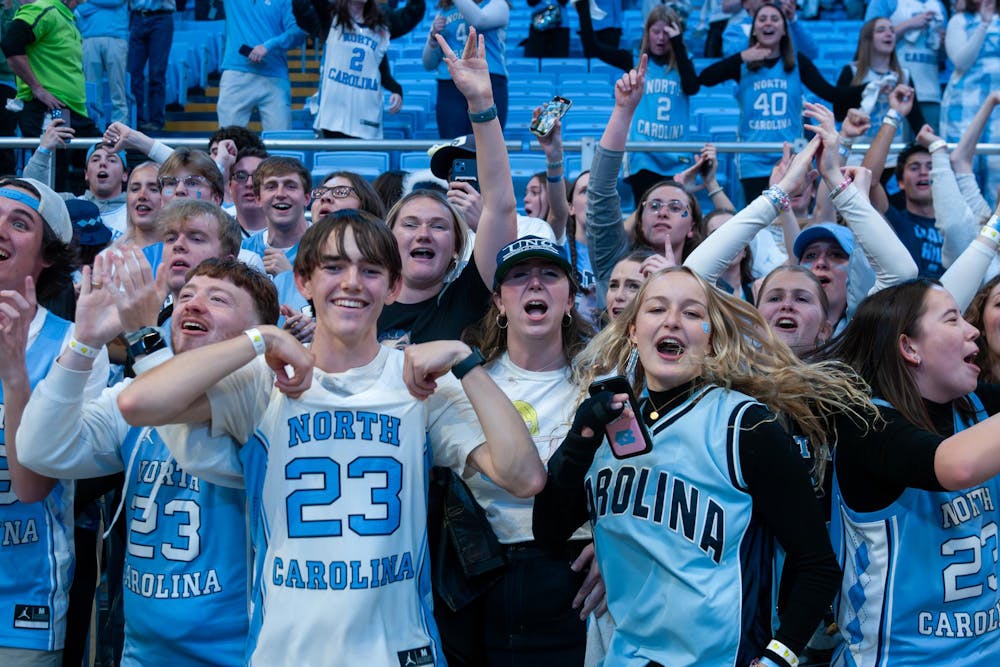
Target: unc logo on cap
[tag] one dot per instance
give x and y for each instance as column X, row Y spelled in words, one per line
column 528, row 243
column 525, row 248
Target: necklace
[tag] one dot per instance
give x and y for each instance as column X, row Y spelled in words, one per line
column 655, row 414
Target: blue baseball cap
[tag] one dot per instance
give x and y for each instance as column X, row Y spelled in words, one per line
column 88, row 227
column 823, row 231
column 120, row 154
column 529, row 247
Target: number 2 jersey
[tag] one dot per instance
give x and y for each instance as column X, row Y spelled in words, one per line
column 351, row 89
column 337, row 491
column 920, row 575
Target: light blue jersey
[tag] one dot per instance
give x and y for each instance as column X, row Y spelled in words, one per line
column 257, row 243
column 36, row 539
column 771, row 103
column 662, row 115
column 920, row 576
column 673, row 532
column 185, row 578
column 456, row 31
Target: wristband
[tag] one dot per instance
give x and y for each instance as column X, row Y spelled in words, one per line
column 778, row 198
column 993, row 222
column 715, row 192
column 483, row 116
column 554, row 165
column 840, row 188
column 937, row 144
column 783, row 652
column 891, row 117
column 990, row 233
column 43, row 150
column 259, row 346
column 82, row 349
column 553, row 179
column 846, row 142
column 462, row 368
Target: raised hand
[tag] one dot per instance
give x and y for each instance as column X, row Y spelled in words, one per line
column 16, row 312
column 794, row 179
column 855, row 124
column 97, row 319
column 56, row 135
column 470, row 72
column 901, row 99
column 926, row 136
column 754, row 53
column 630, row 86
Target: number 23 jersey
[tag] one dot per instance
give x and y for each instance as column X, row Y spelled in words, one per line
column 337, row 491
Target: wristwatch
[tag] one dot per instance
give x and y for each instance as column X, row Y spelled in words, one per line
column 460, row 369
column 144, row 341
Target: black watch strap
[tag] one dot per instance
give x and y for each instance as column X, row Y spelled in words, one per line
column 460, row 369
column 148, row 342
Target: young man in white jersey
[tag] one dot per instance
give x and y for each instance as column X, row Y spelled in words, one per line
column 36, row 512
column 185, row 566
column 339, row 473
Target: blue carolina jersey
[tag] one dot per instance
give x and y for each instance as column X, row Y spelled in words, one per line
column 673, row 531
column 920, row 576
column 185, row 578
column 771, row 104
column 36, row 544
column 257, row 243
column 662, row 115
column 456, row 31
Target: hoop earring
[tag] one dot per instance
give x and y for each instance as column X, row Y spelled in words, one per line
column 502, row 320
column 567, row 319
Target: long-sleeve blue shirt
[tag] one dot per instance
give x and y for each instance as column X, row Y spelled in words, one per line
column 267, row 22
column 103, row 18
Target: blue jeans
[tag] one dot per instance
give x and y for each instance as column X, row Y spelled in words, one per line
column 106, row 56
column 149, row 39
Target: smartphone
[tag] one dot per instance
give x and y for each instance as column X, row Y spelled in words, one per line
column 552, row 111
column 245, row 50
column 627, row 435
column 464, row 170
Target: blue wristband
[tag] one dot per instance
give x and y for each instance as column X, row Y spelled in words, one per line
column 44, row 151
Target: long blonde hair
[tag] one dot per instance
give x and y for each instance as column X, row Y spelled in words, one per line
column 747, row 357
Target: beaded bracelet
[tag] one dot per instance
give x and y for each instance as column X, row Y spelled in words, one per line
column 554, row 165
column 778, row 198
column 715, row 192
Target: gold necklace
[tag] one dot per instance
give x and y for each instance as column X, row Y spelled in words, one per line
column 680, row 398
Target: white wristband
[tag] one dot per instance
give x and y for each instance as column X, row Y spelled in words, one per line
column 784, row 652
column 82, row 349
column 255, row 336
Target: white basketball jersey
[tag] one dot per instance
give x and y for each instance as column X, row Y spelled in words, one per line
column 351, row 89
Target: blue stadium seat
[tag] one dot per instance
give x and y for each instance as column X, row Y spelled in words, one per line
column 564, row 65
column 291, row 135
column 414, row 161
column 367, row 164
column 301, row 156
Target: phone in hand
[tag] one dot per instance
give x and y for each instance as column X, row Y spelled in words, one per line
column 627, row 435
column 552, row 111
column 245, row 50
column 464, row 170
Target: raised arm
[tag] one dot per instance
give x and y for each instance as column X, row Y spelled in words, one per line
column 606, row 237
column 965, row 150
column 900, row 103
column 555, row 178
column 498, row 221
column 431, row 55
column 962, row 48
column 16, row 312
column 952, row 216
column 966, row 273
column 55, row 137
column 620, row 58
column 495, row 14
column 714, row 254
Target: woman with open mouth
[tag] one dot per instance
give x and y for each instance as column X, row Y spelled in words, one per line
column 771, row 79
column 914, row 487
column 684, row 524
column 528, row 338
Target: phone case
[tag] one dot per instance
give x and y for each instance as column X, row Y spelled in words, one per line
column 627, row 435
column 552, row 111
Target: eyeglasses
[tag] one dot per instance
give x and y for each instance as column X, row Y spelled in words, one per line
column 674, row 205
column 337, row 191
column 171, row 182
column 242, row 176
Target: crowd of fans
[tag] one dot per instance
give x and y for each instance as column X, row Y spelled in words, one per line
column 397, row 422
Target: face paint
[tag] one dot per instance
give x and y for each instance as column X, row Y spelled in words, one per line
column 705, row 327
column 684, row 214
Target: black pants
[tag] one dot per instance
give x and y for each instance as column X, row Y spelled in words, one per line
column 8, row 128
column 526, row 619
column 752, row 187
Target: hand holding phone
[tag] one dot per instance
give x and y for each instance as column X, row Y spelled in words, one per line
column 552, row 111
column 465, row 171
column 245, row 50
column 627, row 435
